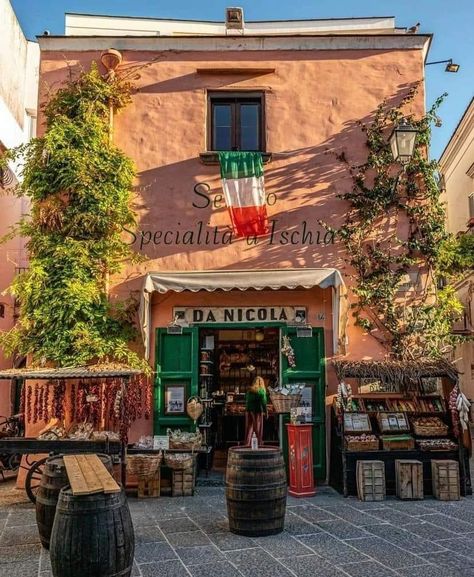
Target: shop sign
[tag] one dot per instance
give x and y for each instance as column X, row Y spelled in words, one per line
column 222, row 315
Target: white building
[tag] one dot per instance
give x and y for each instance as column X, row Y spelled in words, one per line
column 457, row 168
column 19, row 71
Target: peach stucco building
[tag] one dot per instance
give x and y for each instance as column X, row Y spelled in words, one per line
column 294, row 91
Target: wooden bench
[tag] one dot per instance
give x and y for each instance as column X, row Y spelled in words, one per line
column 88, row 475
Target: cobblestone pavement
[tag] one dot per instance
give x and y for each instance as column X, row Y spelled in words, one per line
column 326, row 536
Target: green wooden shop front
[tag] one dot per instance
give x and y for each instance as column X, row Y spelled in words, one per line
column 177, row 362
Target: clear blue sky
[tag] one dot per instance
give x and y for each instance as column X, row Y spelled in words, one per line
column 451, row 22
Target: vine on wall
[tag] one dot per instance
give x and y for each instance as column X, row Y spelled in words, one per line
column 79, row 185
column 394, row 232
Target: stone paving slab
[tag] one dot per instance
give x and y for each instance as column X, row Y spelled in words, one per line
column 325, row 536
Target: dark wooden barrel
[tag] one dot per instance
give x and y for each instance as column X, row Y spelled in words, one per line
column 54, row 478
column 92, row 536
column 256, row 491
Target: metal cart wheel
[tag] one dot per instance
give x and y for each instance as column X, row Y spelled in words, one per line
column 33, row 479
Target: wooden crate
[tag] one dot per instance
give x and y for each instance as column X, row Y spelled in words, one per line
column 370, row 480
column 149, row 487
column 445, row 476
column 409, row 479
column 182, row 483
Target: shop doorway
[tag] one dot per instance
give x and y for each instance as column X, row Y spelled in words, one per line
column 230, row 359
column 223, row 378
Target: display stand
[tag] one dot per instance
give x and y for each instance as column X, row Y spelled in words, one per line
column 27, row 446
column 389, row 426
column 300, row 458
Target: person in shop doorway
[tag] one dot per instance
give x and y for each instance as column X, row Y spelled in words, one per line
column 255, row 409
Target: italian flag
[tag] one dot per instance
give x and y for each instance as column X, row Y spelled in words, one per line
column 244, row 192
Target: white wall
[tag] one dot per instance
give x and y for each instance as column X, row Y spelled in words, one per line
column 96, row 25
column 19, row 72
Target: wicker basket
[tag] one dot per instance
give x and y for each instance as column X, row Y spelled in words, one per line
column 283, row 403
column 440, row 430
column 143, row 466
column 185, row 441
column 179, row 462
column 185, row 446
column 398, row 443
column 358, row 446
column 194, row 408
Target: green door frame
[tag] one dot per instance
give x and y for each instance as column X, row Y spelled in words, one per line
column 317, row 377
column 161, row 421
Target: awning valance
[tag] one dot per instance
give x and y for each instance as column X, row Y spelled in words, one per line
column 213, row 280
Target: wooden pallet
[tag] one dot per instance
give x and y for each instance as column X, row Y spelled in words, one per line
column 445, row 476
column 87, row 475
column 370, row 480
column 409, row 479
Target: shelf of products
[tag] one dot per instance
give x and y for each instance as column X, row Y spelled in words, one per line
column 388, row 428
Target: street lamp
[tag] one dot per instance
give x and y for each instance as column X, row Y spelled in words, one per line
column 450, row 65
column 402, row 142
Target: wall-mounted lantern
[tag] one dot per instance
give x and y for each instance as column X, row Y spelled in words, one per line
column 402, row 142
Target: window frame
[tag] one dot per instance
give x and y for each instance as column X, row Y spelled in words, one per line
column 228, row 97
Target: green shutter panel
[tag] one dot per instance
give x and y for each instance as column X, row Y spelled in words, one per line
column 309, row 355
column 176, row 364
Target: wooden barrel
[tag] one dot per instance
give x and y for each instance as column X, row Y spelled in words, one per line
column 92, row 536
column 54, row 478
column 256, row 491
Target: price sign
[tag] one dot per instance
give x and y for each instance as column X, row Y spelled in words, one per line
column 161, row 442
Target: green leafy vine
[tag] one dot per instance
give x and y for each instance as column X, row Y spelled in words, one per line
column 394, row 232
column 79, row 185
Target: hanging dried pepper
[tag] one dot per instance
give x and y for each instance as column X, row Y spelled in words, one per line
column 58, row 400
column 73, row 401
column 36, row 405
column 48, row 401
column 41, row 403
column 148, row 398
column 29, row 396
column 23, row 399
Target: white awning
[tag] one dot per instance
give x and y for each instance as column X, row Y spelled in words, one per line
column 212, row 280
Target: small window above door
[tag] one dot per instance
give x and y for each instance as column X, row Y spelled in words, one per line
column 236, row 122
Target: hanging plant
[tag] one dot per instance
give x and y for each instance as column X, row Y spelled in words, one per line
column 79, row 186
column 288, row 351
column 394, row 227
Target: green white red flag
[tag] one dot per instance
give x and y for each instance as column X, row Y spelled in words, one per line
column 244, row 192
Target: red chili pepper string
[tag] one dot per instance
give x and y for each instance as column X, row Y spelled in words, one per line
column 23, row 399
column 36, row 405
column 73, row 401
column 148, row 399
column 47, row 401
column 41, row 403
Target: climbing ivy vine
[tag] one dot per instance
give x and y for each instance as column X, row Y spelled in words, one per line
column 79, row 185
column 394, row 232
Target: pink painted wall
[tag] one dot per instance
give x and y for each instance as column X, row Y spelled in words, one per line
column 12, row 255
column 313, row 103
